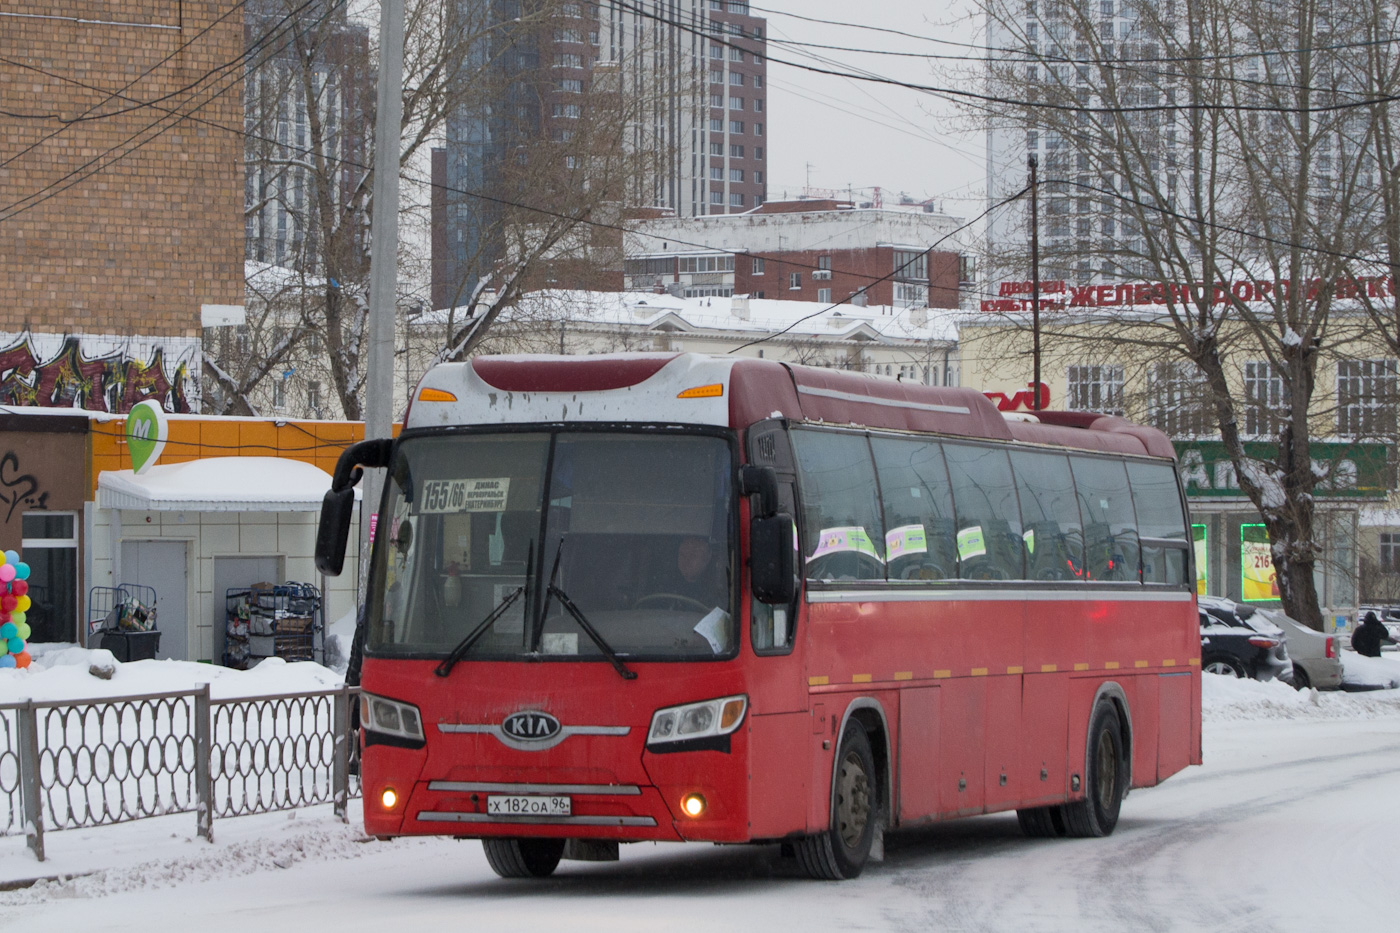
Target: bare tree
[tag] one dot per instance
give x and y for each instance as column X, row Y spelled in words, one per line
column 309, row 151
column 1210, row 150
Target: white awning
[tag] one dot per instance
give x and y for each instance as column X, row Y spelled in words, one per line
column 217, row 484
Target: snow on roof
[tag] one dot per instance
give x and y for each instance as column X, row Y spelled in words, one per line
column 739, row 314
column 217, row 484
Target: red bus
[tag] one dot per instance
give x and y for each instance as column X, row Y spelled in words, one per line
column 678, row 597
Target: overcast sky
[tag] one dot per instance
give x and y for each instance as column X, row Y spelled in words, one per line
column 837, row 133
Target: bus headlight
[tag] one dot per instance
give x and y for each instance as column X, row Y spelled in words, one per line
column 391, row 718
column 709, row 719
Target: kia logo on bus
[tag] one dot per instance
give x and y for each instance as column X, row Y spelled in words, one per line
column 531, row 726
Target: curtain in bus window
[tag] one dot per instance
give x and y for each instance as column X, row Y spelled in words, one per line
column 844, row 536
column 989, row 521
column 1110, row 527
column 1159, row 515
column 920, row 534
column 1053, row 535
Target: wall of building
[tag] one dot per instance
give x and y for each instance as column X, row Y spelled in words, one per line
column 288, row 536
column 125, row 224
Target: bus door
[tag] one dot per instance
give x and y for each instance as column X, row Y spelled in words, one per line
column 779, row 721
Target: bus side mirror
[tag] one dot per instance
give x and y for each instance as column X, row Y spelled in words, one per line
column 338, row 505
column 337, row 508
column 771, row 563
column 762, row 482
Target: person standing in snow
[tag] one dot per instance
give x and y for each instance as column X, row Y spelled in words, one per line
column 1369, row 636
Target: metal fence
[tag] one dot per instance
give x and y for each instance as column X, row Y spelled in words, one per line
column 71, row 765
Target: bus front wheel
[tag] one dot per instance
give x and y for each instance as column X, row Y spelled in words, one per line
column 1106, row 784
column 842, row 851
column 523, row 858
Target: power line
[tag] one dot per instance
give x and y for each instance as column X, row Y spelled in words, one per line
column 155, row 128
column 983, row 49
column 963, row 94
column 189, row 115
column 178, row 50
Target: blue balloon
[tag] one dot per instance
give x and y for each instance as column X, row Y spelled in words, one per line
column 21, row 571
column 9, row 630
column 7, row 661
column 12, row 557
column 16, row 645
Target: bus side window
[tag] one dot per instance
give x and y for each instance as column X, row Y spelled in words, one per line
column 843, row 533
column 989, row 521
column 920, row 536
column 1110, row 527
column 1053, row 534
column 1158, row 505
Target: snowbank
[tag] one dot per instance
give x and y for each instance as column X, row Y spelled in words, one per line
column 1227, row 699
column 1359, row 670
column 63, row 672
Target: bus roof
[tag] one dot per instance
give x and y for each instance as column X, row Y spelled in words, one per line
column 691, row 388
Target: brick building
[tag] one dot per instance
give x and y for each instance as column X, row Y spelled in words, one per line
column 807, row 250
column 121, row 190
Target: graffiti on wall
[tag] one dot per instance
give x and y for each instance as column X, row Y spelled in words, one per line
column 98, row 373
column 18, row 489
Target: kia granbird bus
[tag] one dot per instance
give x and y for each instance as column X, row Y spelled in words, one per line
column 677, row 597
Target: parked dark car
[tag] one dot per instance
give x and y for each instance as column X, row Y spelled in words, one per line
column 1239, row 642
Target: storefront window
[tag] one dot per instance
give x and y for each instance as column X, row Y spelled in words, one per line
column 51, row 550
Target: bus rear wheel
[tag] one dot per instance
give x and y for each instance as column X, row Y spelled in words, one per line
column 1042, row 822
column 523, row 858
column 1106, row 784
column 842, row 851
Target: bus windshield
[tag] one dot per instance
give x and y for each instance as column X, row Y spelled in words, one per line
column 631, row 531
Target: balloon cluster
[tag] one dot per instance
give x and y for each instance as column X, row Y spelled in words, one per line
column 14, row 606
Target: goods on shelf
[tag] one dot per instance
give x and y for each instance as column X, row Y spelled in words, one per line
column 269, row 620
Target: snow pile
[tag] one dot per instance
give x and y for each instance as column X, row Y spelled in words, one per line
column 1229, row 699
column 279, row 841
column 1371, row 672
column 64, row 672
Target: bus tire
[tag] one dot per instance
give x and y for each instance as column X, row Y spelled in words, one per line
column 1042, row 822
column 842, row 851
column 1106, row 783
column 523, row 858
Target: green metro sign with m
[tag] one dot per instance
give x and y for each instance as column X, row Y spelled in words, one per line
column 146, row 430
column 1348, row 471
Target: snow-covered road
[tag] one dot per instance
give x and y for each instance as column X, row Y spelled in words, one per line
column 1292, row 824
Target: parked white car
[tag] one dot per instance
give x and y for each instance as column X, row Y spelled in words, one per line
column 1317, row 658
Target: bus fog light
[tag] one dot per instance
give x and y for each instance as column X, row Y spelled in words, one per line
column 389, row 798
column 692, row 805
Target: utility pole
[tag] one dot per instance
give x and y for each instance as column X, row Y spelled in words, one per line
column 383, row 258
column 1035, row 283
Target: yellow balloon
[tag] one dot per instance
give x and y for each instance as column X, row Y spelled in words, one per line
column 23, row 603
column 2, row 558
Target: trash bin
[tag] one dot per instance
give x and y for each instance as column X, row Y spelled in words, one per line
column 131, row 646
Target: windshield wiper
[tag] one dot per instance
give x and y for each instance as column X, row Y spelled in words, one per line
column 592, row 633
column 445, row 668
column 553, row 590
